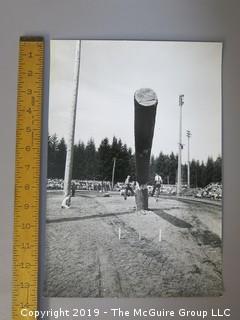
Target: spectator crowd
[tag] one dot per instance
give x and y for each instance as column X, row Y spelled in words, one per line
column 211, row 191
column 88, row 185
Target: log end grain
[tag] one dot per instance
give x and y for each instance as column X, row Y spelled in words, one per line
column 146, row 97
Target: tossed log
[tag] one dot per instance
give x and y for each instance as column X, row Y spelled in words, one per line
column 145, row 102
column 70, row 142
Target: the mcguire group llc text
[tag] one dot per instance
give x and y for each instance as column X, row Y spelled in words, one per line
column 121, row 313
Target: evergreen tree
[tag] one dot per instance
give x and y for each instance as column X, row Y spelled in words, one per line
column 90, row 160
column 199, row 174
column 184, row 173
column 217, row 171
column 61, row 158
column 132, row 164
column 194, row 175
column 203, row 175
column 79, row 162
column 116, row 153
column 152, row 169
column 89, row 163
column 125, row 163
column 209, row 170
column 160, row 165
column 104, row 160
column 173, row 164
column 52, row 156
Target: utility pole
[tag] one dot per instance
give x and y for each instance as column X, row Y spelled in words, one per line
column 188, row 164
column 70, row 142
column 113, row 171
column 180, row 146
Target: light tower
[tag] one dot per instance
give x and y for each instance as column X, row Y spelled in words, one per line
column 180, row 147
column 188, row 164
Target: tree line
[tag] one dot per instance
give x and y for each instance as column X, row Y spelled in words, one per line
column 96, row 163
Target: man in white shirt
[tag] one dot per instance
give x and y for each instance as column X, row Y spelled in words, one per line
column 128, row 187
column 157, row 183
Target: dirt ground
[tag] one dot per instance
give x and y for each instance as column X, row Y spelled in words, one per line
column 102, row 247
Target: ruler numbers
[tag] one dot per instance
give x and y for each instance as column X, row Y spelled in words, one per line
column 26, row 214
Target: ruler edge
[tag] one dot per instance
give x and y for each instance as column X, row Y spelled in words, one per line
column 31, row 39
column 41, row 40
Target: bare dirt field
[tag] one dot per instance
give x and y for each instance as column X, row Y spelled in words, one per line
column 102, row 247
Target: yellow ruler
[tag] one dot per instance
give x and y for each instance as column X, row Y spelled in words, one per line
column 27, row 180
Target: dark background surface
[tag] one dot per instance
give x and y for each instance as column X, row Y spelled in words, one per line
column 202, row 20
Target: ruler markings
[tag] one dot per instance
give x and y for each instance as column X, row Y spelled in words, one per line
column 26, row 215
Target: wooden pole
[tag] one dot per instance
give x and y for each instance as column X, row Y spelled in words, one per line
column 70, row 142
column 145, row 101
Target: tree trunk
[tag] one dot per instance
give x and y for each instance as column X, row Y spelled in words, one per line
column 145, row 101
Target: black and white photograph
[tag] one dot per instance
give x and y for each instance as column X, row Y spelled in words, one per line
column 134, row 172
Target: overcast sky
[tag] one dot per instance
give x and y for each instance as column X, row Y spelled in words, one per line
column 110, row 73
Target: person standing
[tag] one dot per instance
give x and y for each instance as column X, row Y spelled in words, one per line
column 128, row 187
column 73, row 189
column 157, row 183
